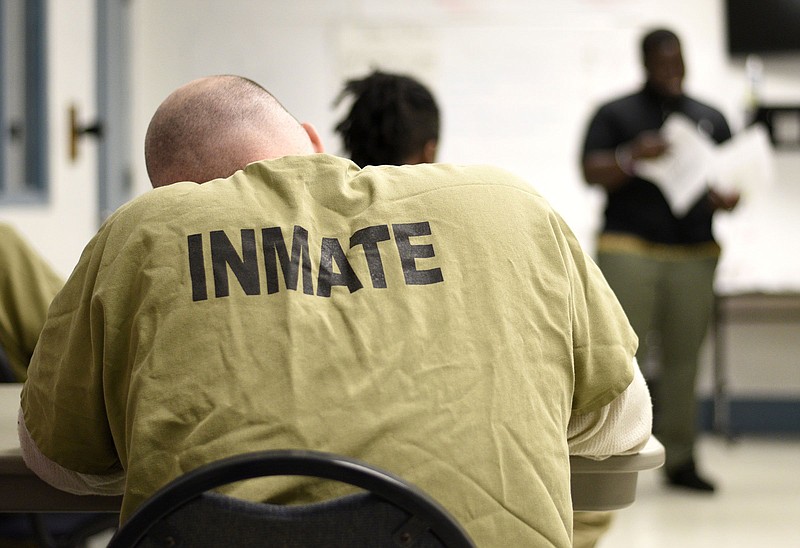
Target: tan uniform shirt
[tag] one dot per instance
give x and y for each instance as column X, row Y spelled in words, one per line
column 27, row 285
column 439, row 321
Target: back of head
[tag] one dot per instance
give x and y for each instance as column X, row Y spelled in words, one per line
column 214, row 126
column 391, row 121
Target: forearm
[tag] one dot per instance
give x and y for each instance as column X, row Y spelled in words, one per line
column 63, row 478
column 620, row 428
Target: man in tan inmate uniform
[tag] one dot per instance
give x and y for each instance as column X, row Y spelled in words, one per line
column 439, row 321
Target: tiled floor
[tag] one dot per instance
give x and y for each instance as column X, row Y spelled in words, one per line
column 757, row 502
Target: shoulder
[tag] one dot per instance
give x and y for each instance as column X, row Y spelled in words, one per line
column 620, row 119
column 622, row 103
column 7, row 230
column 163, row 203
column 147, row 218
column 462, row 179
column 317, row 185
column 705, row 113
column 13, row 244
column 481, row 174
column 701, row 109
column 9, row 235
column 699, row 104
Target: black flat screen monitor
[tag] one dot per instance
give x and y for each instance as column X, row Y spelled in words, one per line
column 763, row 26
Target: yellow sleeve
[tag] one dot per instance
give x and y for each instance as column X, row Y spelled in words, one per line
column 63, row 400
column 27, row 286
column 603, row 341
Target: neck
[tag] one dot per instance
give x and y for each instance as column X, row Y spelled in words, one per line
column 664, row 99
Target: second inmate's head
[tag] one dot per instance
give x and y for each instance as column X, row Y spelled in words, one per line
column 393, row 120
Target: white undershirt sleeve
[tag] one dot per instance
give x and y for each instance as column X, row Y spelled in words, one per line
column 620, row 428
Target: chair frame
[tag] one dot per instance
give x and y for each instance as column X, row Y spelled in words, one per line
column 290, row 462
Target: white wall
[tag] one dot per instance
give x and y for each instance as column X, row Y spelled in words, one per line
column 517, row 79
column 60, row 228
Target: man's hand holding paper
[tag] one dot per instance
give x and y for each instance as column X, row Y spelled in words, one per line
column 693, row 162
column 682, row 172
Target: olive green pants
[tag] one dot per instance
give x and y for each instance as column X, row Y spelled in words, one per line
column 674, row 298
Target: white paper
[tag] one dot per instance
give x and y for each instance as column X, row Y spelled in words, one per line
column 693, row 162
column 744, row 163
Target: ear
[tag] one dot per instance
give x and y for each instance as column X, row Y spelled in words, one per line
column 429, row 151
column 316, row 142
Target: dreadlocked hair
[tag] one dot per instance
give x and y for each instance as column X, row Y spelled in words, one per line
column 391, row 118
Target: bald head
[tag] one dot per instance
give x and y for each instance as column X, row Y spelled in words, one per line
column 214, row 126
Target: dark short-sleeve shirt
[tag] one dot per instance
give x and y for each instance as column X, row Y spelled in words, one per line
column 639, row 208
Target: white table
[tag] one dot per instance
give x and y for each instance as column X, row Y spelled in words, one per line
column 596, row 485
column 610, row 484
column 743, row 308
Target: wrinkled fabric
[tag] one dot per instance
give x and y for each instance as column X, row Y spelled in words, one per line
column 438, row 321
column 27, row 285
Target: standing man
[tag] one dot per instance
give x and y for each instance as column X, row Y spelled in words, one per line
column 660, row 264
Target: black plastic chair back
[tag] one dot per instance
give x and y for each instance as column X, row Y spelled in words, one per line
column 390, row 513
